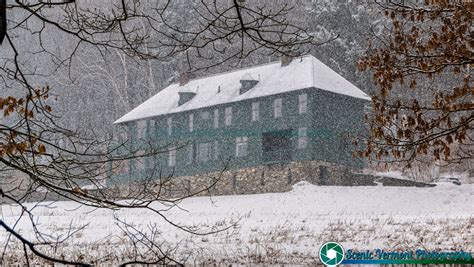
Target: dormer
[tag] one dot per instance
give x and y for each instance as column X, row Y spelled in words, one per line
column 247, row 82
column 185, row 97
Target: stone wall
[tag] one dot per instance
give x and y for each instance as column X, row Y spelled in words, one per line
column 268, row 178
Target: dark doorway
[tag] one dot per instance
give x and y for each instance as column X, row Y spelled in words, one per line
column 277, row 146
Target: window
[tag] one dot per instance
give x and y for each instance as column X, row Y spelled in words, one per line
column 255, row 111
column 302, row 137
column 241, row 145
column 141, row 129
column 344, row 142
column 205, row 115
column 191, row 153
column 277, row 106
column 123, row 135
column 191, row 122
column 172, row 157
column 140, row 162
column 170, row 126
column 151, row 129
column 216, row 118
column 303, row 103
column 121, row 167
column 228, row 116
column 367, row 109
column 216, row 149
column 204, row 151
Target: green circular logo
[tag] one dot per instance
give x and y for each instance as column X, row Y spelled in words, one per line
column 331, row 253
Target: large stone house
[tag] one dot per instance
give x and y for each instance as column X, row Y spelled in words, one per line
column 280, row 113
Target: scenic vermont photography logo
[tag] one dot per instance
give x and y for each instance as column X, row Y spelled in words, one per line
column 331, row 253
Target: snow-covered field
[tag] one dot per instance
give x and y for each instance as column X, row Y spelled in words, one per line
column 272, row 228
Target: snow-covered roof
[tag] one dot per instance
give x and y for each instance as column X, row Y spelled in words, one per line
column 301, row 73
column 247, row 77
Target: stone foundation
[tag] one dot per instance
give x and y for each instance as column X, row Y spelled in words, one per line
column 268, row 179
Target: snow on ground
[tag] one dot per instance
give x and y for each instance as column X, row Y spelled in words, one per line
column 463, row 177
column 276, row 228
